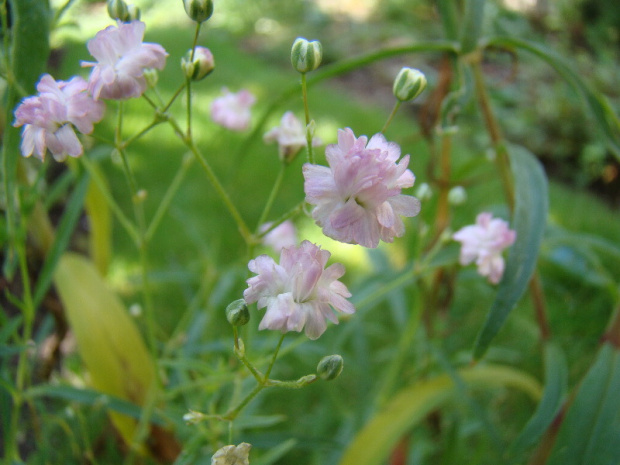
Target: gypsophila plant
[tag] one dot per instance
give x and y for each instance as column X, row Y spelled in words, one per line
column 103, row 360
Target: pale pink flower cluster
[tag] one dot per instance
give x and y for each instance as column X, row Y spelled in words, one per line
column 232, row 111
column 50, row 117
column 299, row 292
column 122, row 58
column 282, row 236
column 483, row 243
column 290, row 136
column 358, row 198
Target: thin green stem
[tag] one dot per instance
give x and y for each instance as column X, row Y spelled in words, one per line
column 171, row 191
column 275, row 356
column 188, row 83
column 272, row 196
column 217, row 185
column 135, row 137
column 304, row 92
column 391, row 117
column 174, row 97
column 116, row 209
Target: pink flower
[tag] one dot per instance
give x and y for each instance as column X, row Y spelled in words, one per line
column 121, row 61
column 290, row 135
column 233, row 110
column 484, row 243
column 358, row 197
column 282, row 236
column 299, row 292
column 49, row 118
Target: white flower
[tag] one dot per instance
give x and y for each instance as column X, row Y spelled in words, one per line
column 290, row 135
column 232, row 455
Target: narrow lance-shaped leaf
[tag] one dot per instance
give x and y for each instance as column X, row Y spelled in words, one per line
column 590, row 432
column 556, row 380
column 408, row 407
column 529, row 219
column 607, row 120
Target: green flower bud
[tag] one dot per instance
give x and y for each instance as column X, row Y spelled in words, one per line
column 117, row 9
column 151, row 76
column 133, row 13
column 330, row 367
column 201, row 66
column 306, row 56
column 198, row 10
column 237, row 313
column 457, row 195
column 409, row 83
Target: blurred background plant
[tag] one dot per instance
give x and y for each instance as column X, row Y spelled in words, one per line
column 393, row 349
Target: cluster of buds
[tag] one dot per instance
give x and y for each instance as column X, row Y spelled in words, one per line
column 119, row 10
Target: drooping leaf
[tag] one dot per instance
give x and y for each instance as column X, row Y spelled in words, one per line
column 108, row 341
column 590, row 432
column 376, row 440
column 529, row 220
column 556, row 381
column 607, row 120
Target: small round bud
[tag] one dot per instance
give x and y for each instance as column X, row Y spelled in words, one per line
column 424, row 192
column 457, row 195
column 133, row 13
column 237, row 313
column 201, row 66
column 117, row 9
column 409, row 83
column 151, row 75
column 306, row 56
column 198, row 10
column 330, row 367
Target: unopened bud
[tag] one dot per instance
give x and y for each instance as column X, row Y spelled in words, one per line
column 424, row 192
column 198, row 10
column 200, row 66
column 306, row 56
column 117, row 9
column 133, row 13
column 237, row 313
column 330, row 367
column 457, row 195
column 151, row 75
column 409, row 83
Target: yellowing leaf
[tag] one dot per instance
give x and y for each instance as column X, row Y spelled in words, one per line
column 108, row 341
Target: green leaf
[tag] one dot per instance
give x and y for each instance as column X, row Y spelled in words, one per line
column 28, row 57
column 274, row 454
column 410, row 406
column 448, row 12
column 607, row 120
column 472, row 25
column 529, row 219
column 590, row 431
column 556, row 381
column 70, row 217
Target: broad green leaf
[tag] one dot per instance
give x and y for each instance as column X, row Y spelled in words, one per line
column 472, row 25
column 410, row 406
column 556, row 380
column 529, row 219
column 607, row 120
column 448, row 12
column 108, row 341
column 590, row 432
column 70, row 217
